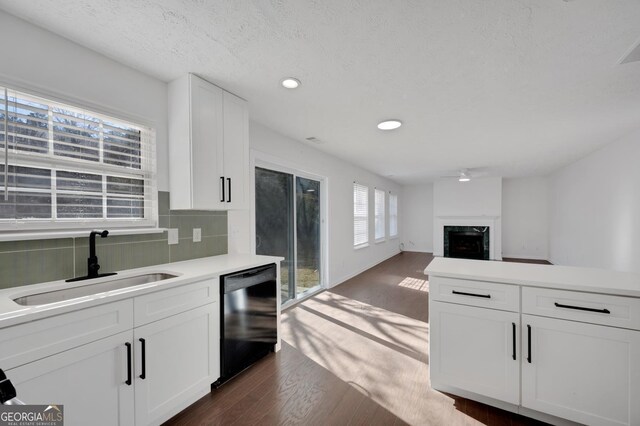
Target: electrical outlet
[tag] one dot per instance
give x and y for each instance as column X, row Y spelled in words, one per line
column 197, row 235
column 173, row 235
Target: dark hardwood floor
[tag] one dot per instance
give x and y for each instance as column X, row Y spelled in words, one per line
column 356, row 354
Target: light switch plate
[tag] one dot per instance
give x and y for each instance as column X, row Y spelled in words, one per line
column 197, row 235
column 173, row 236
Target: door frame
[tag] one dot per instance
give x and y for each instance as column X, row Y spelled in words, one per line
column 267, row 161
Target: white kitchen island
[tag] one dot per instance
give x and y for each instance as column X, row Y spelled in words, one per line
column 561, row 344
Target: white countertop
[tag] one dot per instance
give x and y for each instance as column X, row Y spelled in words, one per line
column 187, row 272
column 535, row 275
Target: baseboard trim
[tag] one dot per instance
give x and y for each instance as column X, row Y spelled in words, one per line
column 358, row 272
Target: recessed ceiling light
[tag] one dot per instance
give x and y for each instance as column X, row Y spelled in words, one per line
column 290, row 83
column 389, row 124
column 464, row 179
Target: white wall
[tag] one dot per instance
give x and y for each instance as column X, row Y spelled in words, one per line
column 595, row 209
column 343, row 261
column 416, row 216
column 525, row 218
column 479, row 197
column 55, row 67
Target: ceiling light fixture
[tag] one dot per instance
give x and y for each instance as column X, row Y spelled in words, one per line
column 389, row 124
column 290, row 83
column 464, row 179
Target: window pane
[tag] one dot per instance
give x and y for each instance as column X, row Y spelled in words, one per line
column 26, row 177
column 77, row 181
column 76, row 135
column 122, row 146
column 27, row 126
column 393, row 215
column 379, row 214
column 118, row 185
column 79, row 206
column 360, row 214
column 25, row 205
column 308, row 234
column 274, row 223
column 125, row 207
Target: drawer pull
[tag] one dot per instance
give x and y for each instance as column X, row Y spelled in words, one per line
column 582, row 308
column 143, row 346
column 485, row 296
column 128, row 381
column 528, row 343
column 513, row 329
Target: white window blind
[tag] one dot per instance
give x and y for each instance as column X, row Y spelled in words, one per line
column 393, row 215
column 360, row 214
column 379, row 212
column 66, row 167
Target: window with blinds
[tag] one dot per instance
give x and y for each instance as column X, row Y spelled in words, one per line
column 379, row 213
column 360, row 215
column 66, row 167
column 393, row 215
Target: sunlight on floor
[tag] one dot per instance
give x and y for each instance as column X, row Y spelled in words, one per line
column 415, row 284
column 381, row 353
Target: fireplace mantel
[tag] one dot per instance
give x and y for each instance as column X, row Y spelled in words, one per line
column 493, row 222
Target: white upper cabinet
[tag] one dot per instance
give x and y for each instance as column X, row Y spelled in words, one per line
column 208, row 146
column 236, row 151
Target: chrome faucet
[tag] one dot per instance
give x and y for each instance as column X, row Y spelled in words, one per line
column 92, row 262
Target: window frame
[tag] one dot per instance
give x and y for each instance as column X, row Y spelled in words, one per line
column 54, row 163
column 359, row 245
column 379, row 215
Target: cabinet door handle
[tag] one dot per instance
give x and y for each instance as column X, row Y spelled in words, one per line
column 128, row 345
column 143, row 349
column 486, row 296
column 229, row 181
column 513, row 329
column 222, row 184
column 582, row 308
column 528, row 343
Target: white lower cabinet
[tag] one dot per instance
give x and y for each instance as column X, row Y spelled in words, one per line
column 587, row 373
column 177, row 359
column 140, row 376
column 475, row 349
column 90, row 381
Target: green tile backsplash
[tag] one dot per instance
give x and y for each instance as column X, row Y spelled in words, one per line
column 28, row 262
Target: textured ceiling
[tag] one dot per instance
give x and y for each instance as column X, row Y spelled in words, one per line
column 518, row 86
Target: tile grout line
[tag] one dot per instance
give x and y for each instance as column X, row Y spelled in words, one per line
column 74, row 257
column 38, row 249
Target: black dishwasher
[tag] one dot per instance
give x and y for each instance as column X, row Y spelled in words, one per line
column 248, row 312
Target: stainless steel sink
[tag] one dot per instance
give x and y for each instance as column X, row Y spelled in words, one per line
column 89, row 289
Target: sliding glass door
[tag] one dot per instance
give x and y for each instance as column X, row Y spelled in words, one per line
column 289, row 224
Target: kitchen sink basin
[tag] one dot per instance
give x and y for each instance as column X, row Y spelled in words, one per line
column 89, row 289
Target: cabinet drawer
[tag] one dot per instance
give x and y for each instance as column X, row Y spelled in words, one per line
column 475, row 293
column 34, row 340
column 593, row 308
column 155, row 306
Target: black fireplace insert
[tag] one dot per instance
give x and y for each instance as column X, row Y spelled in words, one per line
column 466, row 242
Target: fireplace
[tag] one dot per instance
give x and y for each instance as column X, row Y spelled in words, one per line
column 467, row 242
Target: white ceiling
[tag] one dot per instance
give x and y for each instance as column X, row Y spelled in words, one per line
column 519, row 86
